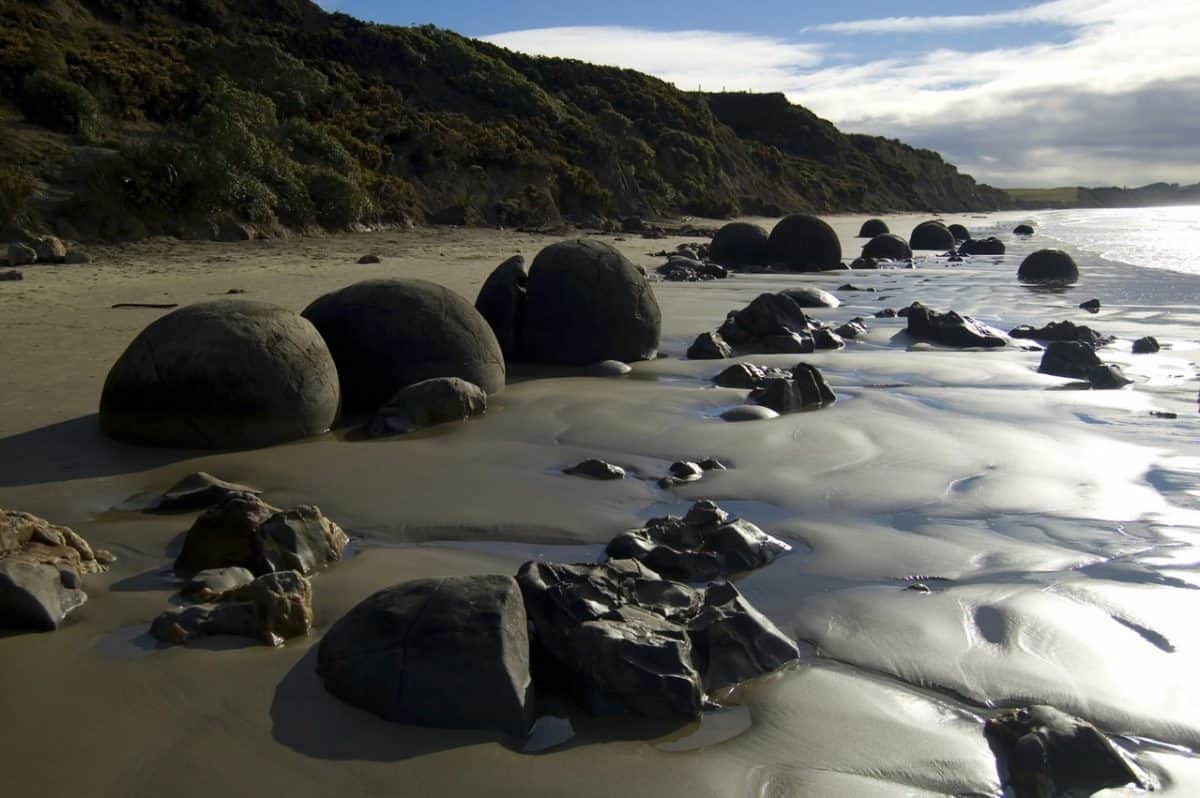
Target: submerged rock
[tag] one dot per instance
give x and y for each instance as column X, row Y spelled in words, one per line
column 982, row 246
column 1091, row 306
column 950, row 329
column 1023, row 230
column 1108, row 377
column 196, row 491
column 451, row 652
column 596, row 469
column 1072, row 359
column 804, row 389
column 709, row 346
column 272, row 608
column 1062, row 331
column 1050, row 753
column 747, row 375
column 426, row 404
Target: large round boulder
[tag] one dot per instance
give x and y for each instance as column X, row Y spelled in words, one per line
column 740, row 244
column 388, row 334
column 960, row 232
column 501, row 301
column 805, row 243
column 873, row 227
column 931, row 235
column 887, row 245
column 586, row 302
column 1048, row 266
column 228, row 374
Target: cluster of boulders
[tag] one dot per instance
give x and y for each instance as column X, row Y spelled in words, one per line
column 619, row 637
column 772, row 323
column 950, row 329
column 797, row 243
column 42, row 566
column 246, row 564
column 687, row 265
column 43, row 249
column 1071, row 352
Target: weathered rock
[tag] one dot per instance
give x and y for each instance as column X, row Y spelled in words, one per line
column 385, row 335
column 1072, row 359
column 747, row 375
column 740, row 244
column 208, row 585
column 825, row 338
column 77, row 257
column 1048, row 266
column 1047, row 752
column 709, row 346
column 11, row 275
column 49, row 249
column 950, row 329
column 367, row 260
column 810, row 297
column 931, row 235
column 886, row 313
column 607, row 368
column 227, row 374
column 596, row 469
column 804, row 389
column 587, row 302
column 711, row 464
column 440, row 400
column 703, row 545
column 732, row 641
column 21, row 254
column 854, row 328
column 982, row 246
column 451, row 652
column 1091, row 306
column 804, row 243
column 1062, row 331
column 749, row 413
column 785, row 343
column 866, row 263
column 246, row 532
column 853, row 287
column 1023, row 230
column 873, row 227
column 681, row 472
column 1108, row 377
column 501, row 302
column 272, row 608
column 1145, row 346
column 889, row 246
column 36, row 595
column 960, row 232
column 196, row 491
column 25, row 536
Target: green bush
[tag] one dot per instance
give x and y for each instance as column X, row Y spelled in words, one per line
column 54, row 102
column 16, row 189
column 308, row 144
column 339, row 201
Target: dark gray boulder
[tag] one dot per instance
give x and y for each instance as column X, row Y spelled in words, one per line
column 810, row 297
column 209, row 584
column 596, row 469
column 428, row 403
column 450, row 652
column 709, row 346
column 227, row 374
column 825, row 338
column 950, row 329
column 931, row 235
column 1091, row 306
column 1046, row 752
column 1146, row 346
column 1023, row 230
column 587, row 302
column 1062, row 331
column 36, row 595
column 501, row 302
column 740, row 244
column 873, row 227
column 889, row 246
column 388, row 334
column 804, row 389
column 1071, row 359
column 769, row 314
column 1048, row 266
column 982, row 246
column 197, row 491
column 868, row 263
column 855, row 328
column 960, row 232
column 804, row 243
column 886, row 313
column 785, row 343
column 1108, row 377
column 747, row 375
column 732, row 641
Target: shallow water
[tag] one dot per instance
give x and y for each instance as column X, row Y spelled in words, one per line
column 1058, row 530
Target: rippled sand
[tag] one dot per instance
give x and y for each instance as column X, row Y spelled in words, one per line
column 1058, row 530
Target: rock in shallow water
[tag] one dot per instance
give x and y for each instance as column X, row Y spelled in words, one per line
column 1062, row 331
column 272, row 608
column 950, row 329
column 805, row 388
column 596, row 469
column 748, row 375
column 451, row 652
column 1145, row 346
column 709, row 346
column 1071, row 359
column 1048, row 266
column 426, row 404
column 198, row 490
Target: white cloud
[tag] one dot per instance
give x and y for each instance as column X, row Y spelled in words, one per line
column 1118, row 49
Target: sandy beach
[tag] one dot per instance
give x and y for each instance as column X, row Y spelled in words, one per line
column 1058, row 529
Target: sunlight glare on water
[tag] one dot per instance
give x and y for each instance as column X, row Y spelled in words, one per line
column 1159, row 238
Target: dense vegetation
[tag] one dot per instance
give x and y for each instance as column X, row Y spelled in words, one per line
column 122, row 118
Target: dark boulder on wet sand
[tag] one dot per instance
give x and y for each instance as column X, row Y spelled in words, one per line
column 272, row 608
column 950, row 329
column 740, row 244
column 388, row 334
column 931, row 235
column 982, row 246
column 873, row 227
column 1023, row 230
column 586, row 302
column 426, row 404
column 1047, row 752
column 197, row 491
column 1062, row 331
column 1071, row 359
column 227, row 374
column 1048, row 266
column 888, row 245
column 1108, row 376
column 596, row 469
column 960, row 232
column 1146, row 346
column 748, row 375
column 804, row 389
column 804, row 243
column 709, row 346
column 450, row 652
column 501, row 301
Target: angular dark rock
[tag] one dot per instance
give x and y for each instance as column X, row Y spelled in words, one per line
column 769, row 314
column 596, row 469
column 709, row 346
column 747, row 375
column 1072, row 359
column 852, row 329
column 825, row 338
column 732, row 641
column 950, row 329
column 272, row 608
column 440, row 400
column 1091, row 306
column 887, row 246
column 805, row 389
column 785, row 343
column 1062, row 331
column 711, row 464
column 1145, row 346
column 886, row 313
column 1108, row 377
column 450, row 652
column 501, row 301
column 196, row 491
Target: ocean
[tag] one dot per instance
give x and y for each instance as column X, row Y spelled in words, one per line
column 1156, row 238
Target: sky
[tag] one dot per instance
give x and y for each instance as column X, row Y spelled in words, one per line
column 1067, row 92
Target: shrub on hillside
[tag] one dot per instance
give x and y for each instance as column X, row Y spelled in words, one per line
column 339, row 201
column 55, row 102
column 16, row 189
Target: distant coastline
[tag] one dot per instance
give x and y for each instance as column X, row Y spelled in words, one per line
column 1064, row 197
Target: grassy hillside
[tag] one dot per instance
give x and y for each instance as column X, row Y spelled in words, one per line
column 199, row 118
column 1110, row 197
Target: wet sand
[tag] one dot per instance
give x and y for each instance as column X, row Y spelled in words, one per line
column 1057, row 528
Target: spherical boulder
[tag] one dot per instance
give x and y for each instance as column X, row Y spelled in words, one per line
column 873, row 227
column 1048, row 266
column 805, row 243
column 740, row 244
column 960, row 232
column 887, row 245
column 585, row 302
column 388, row 334
column 1023, row 230
column 931, row 235
column 501, row 301
column 228, row 374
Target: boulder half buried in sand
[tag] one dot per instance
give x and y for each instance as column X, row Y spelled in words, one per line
column 873, row 227
column 951, row 328
column 227, row 374
column 889, row 246
column 740, row 244
column 931, row 235
column 272, row 608
column 388, row 334
column 804, row 389
column 426, row 404
column 1072, row 359
column 804, row 243
column 586, row 302
column 1048, row 266
column 450, row 652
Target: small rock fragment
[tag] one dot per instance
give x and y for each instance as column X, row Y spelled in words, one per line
column 596, row 469
column 1146, row 346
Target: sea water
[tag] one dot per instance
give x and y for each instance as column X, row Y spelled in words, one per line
column 1157, row 238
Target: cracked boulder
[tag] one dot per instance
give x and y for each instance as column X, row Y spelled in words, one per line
column 272, row 608
column 451, row 652
column 226, row 374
